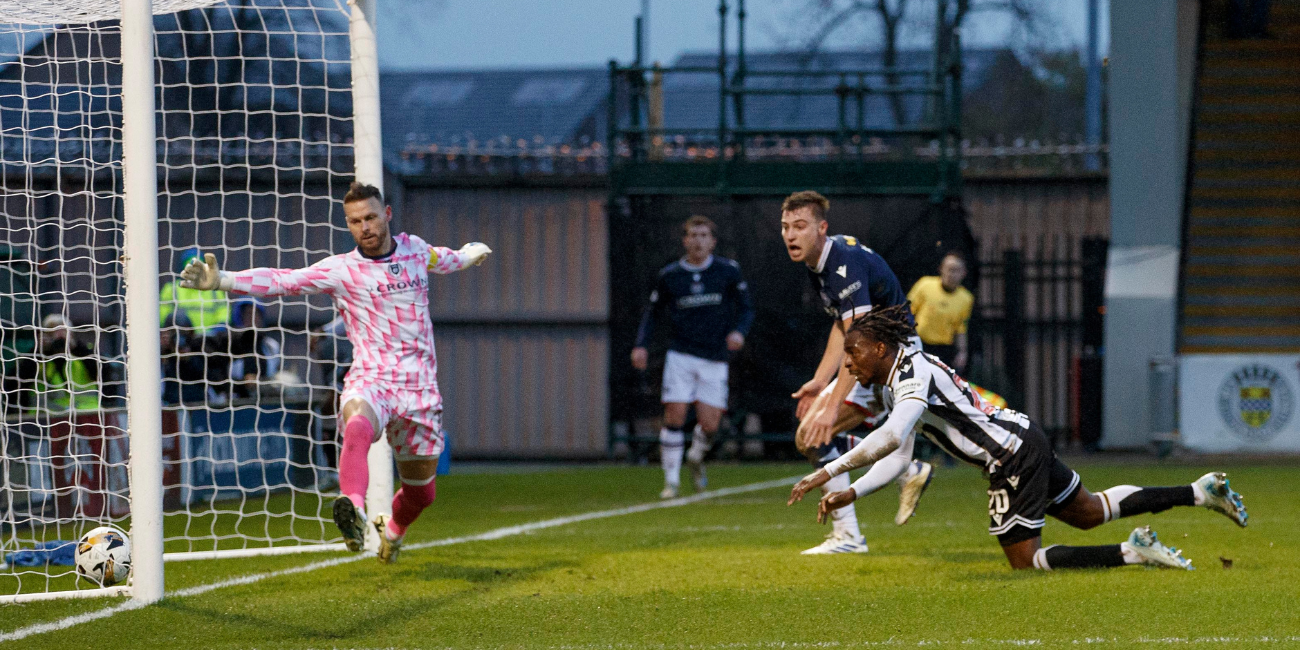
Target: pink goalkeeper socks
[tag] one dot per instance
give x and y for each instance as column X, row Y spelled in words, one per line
column 354, row 472
column 408, row 503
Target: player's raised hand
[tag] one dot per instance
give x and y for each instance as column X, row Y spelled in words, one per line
column 475, row 252
column 807, row 484
column 834, row 501
column 806, row 394
column 201, row 274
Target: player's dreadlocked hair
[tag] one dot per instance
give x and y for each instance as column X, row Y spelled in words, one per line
column 888, row 325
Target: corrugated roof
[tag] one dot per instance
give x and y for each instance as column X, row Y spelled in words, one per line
column 492, row 107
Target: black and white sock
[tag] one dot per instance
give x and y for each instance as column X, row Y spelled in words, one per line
column 1129, row 500
column 672, row 445
column 1083, row 557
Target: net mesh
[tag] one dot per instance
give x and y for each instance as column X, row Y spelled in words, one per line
column 63, row 12
column 254, row 143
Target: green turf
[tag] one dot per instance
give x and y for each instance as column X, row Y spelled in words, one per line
column 727, row 573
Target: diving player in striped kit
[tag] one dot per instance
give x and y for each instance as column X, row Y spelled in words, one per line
column 381, row 290
column 1026, row 479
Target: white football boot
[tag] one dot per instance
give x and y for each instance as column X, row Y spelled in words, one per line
column 669, row 492
column 837, row 543
column 1219, row 497
column 912, row 487
column 351, row 522
column 1146, row 545
column 695, row 462
column 388, row 548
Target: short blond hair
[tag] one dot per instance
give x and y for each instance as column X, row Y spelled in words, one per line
column 697, row 221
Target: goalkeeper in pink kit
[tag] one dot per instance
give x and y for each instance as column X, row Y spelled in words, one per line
column 381, row 290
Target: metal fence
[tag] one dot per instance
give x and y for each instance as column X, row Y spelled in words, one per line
column 1036, row 331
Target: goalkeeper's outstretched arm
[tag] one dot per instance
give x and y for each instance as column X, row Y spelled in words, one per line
column 321, row 277
column 444, row 260
column 205, row 275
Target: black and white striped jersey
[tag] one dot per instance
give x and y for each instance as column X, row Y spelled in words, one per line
column 955, row 417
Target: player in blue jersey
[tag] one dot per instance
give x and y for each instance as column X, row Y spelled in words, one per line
column 709, row 314
column 852, row 280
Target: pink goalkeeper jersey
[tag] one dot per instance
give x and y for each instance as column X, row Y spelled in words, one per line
column 384, row 303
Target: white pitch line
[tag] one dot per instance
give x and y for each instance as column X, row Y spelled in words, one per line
column 498, row 533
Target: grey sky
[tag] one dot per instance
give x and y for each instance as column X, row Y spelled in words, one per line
column 449, row 34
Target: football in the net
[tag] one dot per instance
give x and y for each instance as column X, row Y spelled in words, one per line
column 104, row 556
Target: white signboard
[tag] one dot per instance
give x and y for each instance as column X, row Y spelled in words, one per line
column 1239, row 402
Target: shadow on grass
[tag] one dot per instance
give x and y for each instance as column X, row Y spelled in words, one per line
column 341, row 622
column 482, row 575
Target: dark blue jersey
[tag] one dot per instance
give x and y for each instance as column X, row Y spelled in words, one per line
column 853, row 279
column 704, row 304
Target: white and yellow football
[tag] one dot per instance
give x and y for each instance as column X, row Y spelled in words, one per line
column 104, row 556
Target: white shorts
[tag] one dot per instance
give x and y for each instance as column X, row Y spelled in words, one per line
column 412, row 418
column 689, row 379
column 870, row 400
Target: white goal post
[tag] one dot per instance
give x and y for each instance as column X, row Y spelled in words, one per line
column 132, row 133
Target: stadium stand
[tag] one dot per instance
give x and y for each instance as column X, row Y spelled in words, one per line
column 1243, row 223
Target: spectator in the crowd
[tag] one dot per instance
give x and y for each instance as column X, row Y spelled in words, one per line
column 66, row 371
column 201, row 320
column 67, row 393
column 205, row 312
column 942, row 308
column 184, row 366
column 254, row 351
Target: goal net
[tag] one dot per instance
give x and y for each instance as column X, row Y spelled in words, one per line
column 254, row 150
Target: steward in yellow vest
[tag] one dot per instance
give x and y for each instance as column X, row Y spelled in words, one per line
column 206, row 312
column 67, row 372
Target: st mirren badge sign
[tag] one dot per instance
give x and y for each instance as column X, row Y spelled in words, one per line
column 1256, row 402
column 1239, row 402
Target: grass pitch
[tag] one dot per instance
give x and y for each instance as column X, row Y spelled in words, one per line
column 727, row 573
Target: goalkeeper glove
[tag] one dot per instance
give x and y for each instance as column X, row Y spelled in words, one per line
column 204, row 274
column 475, row 253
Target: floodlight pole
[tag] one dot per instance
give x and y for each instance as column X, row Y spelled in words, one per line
column 140, row 261
column 367, row 150
column 1092, row 88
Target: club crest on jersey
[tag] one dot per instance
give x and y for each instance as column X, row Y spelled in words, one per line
column 395, row 268
column 1256, row 402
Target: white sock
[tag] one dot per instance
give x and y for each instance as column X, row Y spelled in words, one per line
column 699, row 446
column 672, row 444
column 1040, row 559
column 1198, row 494
column 1110, row 499
column 844, row 522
